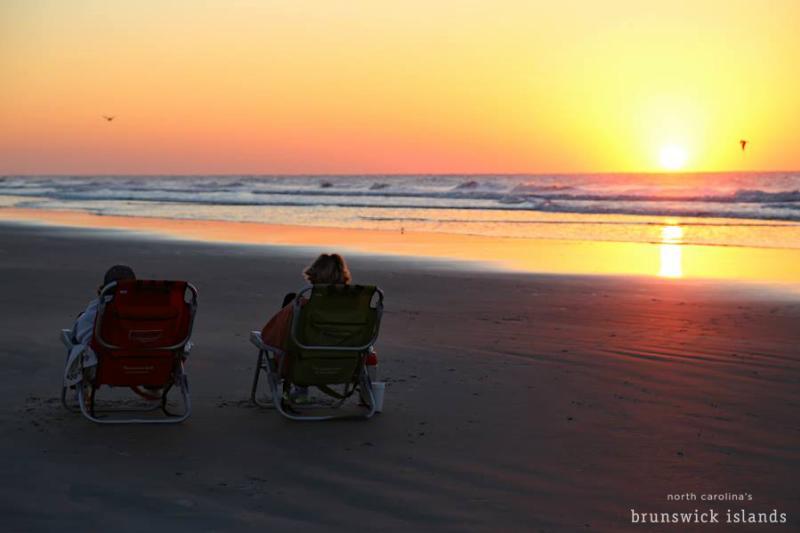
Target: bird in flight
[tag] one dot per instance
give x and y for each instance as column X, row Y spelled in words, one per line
column 743, row 144
column 109, row 118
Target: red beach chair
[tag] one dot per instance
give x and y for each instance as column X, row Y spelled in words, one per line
column 141, row 340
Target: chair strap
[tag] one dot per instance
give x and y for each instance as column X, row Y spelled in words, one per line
column 330, row 392
column 145, row 395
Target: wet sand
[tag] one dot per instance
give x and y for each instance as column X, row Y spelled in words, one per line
column 514, row 402
column 670, row 257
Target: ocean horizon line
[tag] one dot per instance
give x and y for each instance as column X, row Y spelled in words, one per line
column 665, row 173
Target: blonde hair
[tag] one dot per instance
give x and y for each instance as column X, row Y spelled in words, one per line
column 328, row 268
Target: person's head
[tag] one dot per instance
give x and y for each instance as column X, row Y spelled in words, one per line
column 117, row 273
column 328, row 268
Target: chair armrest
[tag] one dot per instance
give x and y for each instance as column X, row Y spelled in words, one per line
column 66, row 337
column 255, row 338
column 187, row 348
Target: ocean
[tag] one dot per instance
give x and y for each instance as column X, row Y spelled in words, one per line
column 722, row 209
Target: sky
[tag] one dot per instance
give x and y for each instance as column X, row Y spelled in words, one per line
column 446, row 86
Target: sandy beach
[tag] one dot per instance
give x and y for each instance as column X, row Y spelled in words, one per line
column 515, row 402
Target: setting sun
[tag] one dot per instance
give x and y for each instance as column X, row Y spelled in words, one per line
column 673, row 157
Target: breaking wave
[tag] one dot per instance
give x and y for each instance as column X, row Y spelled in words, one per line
column 765, row 196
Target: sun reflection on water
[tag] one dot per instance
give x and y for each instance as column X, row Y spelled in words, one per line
column 671, row 254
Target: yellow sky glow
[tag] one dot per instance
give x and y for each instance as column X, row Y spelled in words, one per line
column 301, row 86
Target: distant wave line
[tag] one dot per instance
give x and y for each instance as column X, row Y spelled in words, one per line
column 517, row 195
column 581, row 222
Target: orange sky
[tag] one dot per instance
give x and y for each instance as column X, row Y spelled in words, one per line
column 300, row 86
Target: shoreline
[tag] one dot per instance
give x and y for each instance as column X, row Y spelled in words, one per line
column 667, row 260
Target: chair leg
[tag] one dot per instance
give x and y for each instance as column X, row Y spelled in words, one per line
column 366, row 390
column 64, row 392
column 364, row 384
column 164, row 396
column 64, row 389
column 86, row 410
column 262, row 365
column 87, row 406
column 182, row 380
column 92, row 397
column 254, row 388
column 183, row 385
column 265, row 364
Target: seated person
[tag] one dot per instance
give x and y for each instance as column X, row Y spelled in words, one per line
column 83, row 329
column 327, row 268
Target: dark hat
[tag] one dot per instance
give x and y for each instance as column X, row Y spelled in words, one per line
column 117, row 273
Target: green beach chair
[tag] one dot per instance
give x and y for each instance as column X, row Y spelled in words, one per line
column 333, row 328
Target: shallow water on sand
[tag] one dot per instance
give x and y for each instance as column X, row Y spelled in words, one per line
column 669, row 258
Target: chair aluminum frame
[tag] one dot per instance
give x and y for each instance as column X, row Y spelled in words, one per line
column 266, row 362
column 181, row 378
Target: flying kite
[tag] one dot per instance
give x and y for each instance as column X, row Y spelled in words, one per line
column 109, row 118
column 743, row 143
